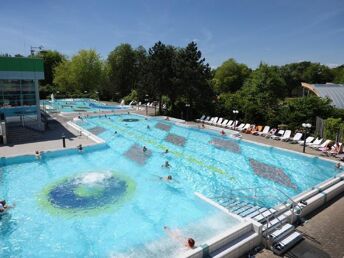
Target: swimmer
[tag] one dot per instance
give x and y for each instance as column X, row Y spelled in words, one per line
column 80, row 148
column 4, row 207
column 177, row 235
column 166, row 151
column 144, row 149
column 338, row 165
column 167, row 118
column 166, row 165
column 222, row 132
column 115, row 132
column 37, row 154
column 166, row 178
column 148, row 127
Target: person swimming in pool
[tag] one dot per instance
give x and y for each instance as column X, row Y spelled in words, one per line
column 176, row 234
column 148, row 127
column 338, row 165
column 166, row 178
column 4, row 206
column 166, row 151
column 37, row 155
column 80, row 148
column 166, row 165
column 144, row 149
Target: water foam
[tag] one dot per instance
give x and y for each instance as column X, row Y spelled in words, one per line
column 93, row 178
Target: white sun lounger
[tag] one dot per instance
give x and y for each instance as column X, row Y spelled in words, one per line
column 309, row 139
column 210, row 121
column 223, row 124
column 317, row 141
column 277, row 135
column 241, row 126
column 218, row 123
column 215, row 120
column 286, row 136
column 245, row 127
column 265, row 131
column 230, row 122
column 201, row 119
column 324, row 144
column 296, row 138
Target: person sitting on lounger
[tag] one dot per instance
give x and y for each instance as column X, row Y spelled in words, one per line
column 176, row 234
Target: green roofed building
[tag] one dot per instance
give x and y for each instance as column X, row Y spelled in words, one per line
column 19, row 90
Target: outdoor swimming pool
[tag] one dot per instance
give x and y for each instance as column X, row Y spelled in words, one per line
column 77, row 105
column 110, row 200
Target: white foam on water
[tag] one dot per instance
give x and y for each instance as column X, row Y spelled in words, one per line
column 93, row 178
column 200, row 231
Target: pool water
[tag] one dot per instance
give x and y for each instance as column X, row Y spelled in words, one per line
column 78, row 105
column 111, row 200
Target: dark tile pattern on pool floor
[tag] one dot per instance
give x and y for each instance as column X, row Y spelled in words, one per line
column 175, row 139
column 97, row 130
column 225, row 145
column 135, row 153
column 272, row 173
column 162, row 126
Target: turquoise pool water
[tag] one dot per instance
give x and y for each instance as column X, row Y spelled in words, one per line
column 78, row 105
column 110, row 201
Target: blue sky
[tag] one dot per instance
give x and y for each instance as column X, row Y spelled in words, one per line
column 251, row 31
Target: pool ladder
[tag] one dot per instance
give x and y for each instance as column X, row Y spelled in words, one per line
column 278, row 234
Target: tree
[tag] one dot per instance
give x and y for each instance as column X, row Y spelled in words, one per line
column 82, row 74
column 294, row 112
column 317, row 73
column 338, row 73
column 192, row 81
column 161, row 72
column 230, row 76
column 51, row 59
column 123, row 73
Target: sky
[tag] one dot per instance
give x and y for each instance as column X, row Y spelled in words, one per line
column 251, row 31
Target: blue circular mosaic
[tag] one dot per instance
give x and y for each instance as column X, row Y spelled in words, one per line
column 87, row 192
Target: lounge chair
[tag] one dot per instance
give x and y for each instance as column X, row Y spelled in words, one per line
column 223, row 124
column 335, row 150
column 277, row 135
column 286, row 136
column 209, row 122
column 218, row 123
column 319, row 146
column 241, row 126
column 201, row 119
column 230, row 122
column 309, row 139
column 256, row 129
column 317, row 141
column 215, row 120
column 297, row 137
column 235, row 123
column 245, row 128
column 264, row 132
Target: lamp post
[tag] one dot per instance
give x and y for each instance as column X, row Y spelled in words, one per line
column 235, row 112
column 306, row 127
column 187, row 105
column 146, row 100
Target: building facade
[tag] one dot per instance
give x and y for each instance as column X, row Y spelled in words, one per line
column 19, row 90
